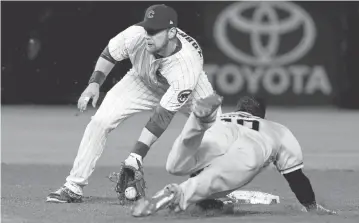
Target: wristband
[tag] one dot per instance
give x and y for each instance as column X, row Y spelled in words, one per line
column 97, row 77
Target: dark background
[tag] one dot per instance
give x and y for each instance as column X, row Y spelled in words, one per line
column 73, row 34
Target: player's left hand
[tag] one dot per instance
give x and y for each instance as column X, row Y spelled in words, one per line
column 319, row 209
column 129, row 176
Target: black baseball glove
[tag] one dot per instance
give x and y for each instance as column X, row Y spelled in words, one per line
column 129, row 176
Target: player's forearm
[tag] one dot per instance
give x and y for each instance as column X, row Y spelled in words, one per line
column 104, row 65
column 154, row 128
column 301, row 187
column 159, row 121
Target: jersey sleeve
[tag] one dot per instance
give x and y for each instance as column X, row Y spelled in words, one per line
column 176, row 95
column 289, row 157
column 121, row 46
column 182, row 80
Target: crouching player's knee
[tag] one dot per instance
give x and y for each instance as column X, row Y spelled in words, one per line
column 172, row 168
column 175, row 169
column 177, row 163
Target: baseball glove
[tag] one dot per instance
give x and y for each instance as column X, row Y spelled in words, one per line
column 129, row 176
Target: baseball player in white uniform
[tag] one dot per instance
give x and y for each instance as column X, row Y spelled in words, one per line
column 226, row 153
column 167, row 75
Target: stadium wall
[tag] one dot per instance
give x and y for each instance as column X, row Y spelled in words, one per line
column 291, row 53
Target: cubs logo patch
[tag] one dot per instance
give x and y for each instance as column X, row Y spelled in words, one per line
column 183, row 95
column 150, row 14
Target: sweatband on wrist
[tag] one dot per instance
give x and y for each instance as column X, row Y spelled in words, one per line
column 147, row 137
column 97, row 77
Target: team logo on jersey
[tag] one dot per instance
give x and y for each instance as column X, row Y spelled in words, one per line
column 183, row 95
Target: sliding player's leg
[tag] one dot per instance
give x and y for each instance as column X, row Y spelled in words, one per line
column 196, row 146
column 226, row 173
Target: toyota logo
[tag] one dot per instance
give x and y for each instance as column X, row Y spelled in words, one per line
column 265, row 21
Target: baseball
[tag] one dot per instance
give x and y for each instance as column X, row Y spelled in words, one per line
column 130, row 193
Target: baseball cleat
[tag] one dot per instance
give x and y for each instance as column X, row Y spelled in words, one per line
column 206, row 108
column 64, row 195
column 164, row 198
column 143, row 207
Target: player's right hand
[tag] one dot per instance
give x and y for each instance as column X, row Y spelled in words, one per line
column 91, row 92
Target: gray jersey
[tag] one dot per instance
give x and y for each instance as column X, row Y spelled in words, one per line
column 276, row 141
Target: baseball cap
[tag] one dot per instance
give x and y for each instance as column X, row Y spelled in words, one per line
column 159, row 17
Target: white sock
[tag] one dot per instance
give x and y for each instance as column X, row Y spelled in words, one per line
column 74, row 188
